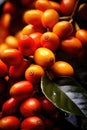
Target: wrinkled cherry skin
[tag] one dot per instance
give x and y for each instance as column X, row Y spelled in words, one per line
column 67, row 6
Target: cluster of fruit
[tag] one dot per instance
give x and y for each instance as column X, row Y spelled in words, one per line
column 41, row 42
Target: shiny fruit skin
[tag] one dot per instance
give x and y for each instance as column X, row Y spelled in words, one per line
column 33, row 16
column 18, row 70
column 30, row 28
column 55, row 5
column 42, row 5
column 49, row 18
column 3, row 69
column 9, row 107
column 62, row 68
column 67, row 6
column 44, row 57
column 36, row 37
column 81, row 34
column 34, row 73
column 11, row 57
column 63, row 29
column 11, row 42
column 71, row 45
column 30, row 107
column 26, row 45
column 3, row 46
column 9, row 123
column 32, row 123
column 21, row 90
column 50, row 40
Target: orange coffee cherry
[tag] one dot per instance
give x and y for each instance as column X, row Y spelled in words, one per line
column 34, row 73
column 81, row 34
column 50, row 40
column 33, row 16
column 42, row 5
column 11, row 56
column 49, row 18
column 62, row 68
column 30, row 28
column 11, row 41
column 63, row 29
column 55, row 5
column 71, row 45
column 44, row 57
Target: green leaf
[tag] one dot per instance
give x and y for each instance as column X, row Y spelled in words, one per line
column 66, row 94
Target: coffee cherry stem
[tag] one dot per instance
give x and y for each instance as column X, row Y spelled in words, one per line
column 74, row 13
column 65, row 18
column 71, row 17
column 76, row 26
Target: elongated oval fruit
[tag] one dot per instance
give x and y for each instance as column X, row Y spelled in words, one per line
column 62, row 68
column 34, row 73
column 63, row 29
column 32, row 123
column 33, row 16
column 21, row 90
column 11, row 56
column 10, row 106
column 44, row 57
column 9, row 123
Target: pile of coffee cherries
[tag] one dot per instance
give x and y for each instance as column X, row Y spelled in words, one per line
column 37, row 38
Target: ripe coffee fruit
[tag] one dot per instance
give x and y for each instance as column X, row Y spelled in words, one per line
column 26, row 45
column 11, row 56
column 9, row 123
column 71, row 45
column 10, row 106
column 63, row 29
column 81, row 34
column 49, row 18
column 50, row 40
column 33, row 16
column 32, row 123
column 62, row 68
column 21, row 90
column 44, row 57
column 34, row 73
column 30, row 107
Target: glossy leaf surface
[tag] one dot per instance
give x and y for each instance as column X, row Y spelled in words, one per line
column 66, row 94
